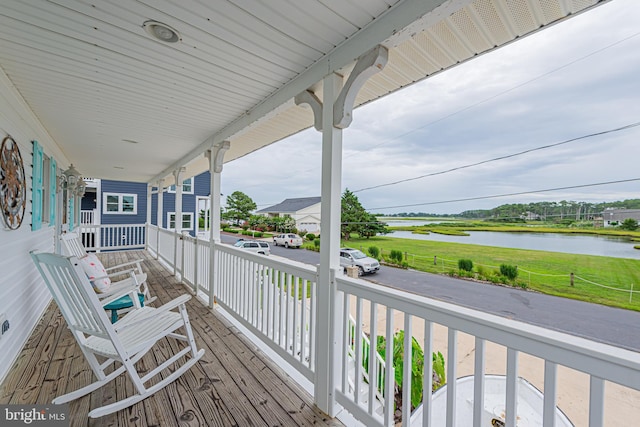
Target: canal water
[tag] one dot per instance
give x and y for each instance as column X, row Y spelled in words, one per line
column 618, row 247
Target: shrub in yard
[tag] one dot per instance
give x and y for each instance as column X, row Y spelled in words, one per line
column 481, row 271
column 310, row 236
column 302, row 233
column 374, row 252
column 509, row 271
column 258, row 234
column 465, row 264
column 316, row 243
column 396, row 256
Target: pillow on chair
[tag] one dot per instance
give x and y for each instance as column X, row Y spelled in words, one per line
column 94, row 268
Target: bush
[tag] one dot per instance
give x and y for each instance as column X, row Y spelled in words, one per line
column 396, row 256
column 258, row 234
column 374, row 252
column 310, row 237
column 316, row 243
column 302, row 233
column 465, row 264
column 509, row 271
column 481, row 271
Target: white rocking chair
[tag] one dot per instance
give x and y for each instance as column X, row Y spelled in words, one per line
column 125, row 341
column 133, row 270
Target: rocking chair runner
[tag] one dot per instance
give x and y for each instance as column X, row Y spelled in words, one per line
column 74, row 247
column 125, row 341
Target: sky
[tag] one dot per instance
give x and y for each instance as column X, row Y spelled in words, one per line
column 574, row 79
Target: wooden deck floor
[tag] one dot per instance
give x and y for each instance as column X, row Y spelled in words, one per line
column 234, row 384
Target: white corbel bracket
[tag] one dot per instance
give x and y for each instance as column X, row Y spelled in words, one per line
column 218, row 151
column 368, row 64
column 308, row 97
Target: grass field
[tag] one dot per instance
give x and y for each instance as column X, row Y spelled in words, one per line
column 598, row 279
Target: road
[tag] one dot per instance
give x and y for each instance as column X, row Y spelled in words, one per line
column 609, row 325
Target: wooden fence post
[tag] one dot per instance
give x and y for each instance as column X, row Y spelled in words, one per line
column 571, row 278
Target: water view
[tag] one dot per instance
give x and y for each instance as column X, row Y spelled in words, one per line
column 618, row 247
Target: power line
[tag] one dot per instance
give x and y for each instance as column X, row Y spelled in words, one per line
column 492, row 97
column 508, row 156
column 507, row 194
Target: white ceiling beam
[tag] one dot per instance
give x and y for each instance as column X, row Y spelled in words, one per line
column 394, row 21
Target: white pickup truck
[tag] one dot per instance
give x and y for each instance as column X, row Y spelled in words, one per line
column 288, row 240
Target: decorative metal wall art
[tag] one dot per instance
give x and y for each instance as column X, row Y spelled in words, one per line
column 13, row 185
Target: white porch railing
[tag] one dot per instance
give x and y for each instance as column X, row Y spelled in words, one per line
column 97, row 237
column 88, row 217
column 275, row 300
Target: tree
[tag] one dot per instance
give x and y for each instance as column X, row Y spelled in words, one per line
column 629, row 224
column 239, row 206
column 355, row 219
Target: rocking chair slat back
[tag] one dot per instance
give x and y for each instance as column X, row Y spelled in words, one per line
column 73, row 293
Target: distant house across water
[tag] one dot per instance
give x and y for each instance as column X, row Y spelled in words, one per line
column 613, row 216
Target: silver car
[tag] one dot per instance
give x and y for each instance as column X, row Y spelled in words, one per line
column 254, row 246
column 288, row 240
column 354, row 257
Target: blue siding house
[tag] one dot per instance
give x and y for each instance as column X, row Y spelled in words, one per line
column 120, row 202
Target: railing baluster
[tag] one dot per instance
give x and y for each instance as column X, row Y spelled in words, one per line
column 550, row 394
column 427, row 375
column 358, row 350
column 312, row 326
column 303, row 321
column 389, row 375
column 407, row 371
column 512, row 388
column 346, row 342
column 452, row 351
column 373, row 355
column 596, row 402
column 478, row 382
column 295, row 315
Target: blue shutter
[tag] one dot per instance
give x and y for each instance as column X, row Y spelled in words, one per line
column 71, row 213
column 36, row 187
column 52, row 191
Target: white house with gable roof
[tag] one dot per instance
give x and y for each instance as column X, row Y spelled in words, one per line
column 304, row 210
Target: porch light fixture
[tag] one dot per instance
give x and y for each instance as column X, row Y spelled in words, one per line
column 161, row 31
column 71, row 181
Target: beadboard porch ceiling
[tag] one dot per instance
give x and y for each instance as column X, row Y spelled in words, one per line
column 122, row 105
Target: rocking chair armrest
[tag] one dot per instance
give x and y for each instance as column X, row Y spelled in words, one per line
column 131, row 290
column 121, row 288
column 123, row 324
column 135, row 262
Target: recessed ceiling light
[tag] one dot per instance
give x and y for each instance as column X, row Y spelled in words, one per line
column 161, row 31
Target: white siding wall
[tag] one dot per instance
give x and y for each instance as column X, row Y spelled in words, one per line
column 23, row 295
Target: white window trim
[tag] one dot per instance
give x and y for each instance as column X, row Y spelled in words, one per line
column 172, row 188
column 184, row 214
column 120, row 211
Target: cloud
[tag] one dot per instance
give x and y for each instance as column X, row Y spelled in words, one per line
column 573, row 79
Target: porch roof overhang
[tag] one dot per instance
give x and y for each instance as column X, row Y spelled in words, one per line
column 122, row 105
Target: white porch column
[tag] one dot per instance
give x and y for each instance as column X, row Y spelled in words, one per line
column 159, row 214
column 328, row 314
column 216, row 160
column 177, row 174
column 336, row 109
column 146, row 228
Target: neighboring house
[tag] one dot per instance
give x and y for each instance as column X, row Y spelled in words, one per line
column 120, row 202
column 613, row 216
column 304, row 210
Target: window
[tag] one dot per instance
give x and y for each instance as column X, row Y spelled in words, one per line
column 187, row 220
column 117, row 203
column 187, row 187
